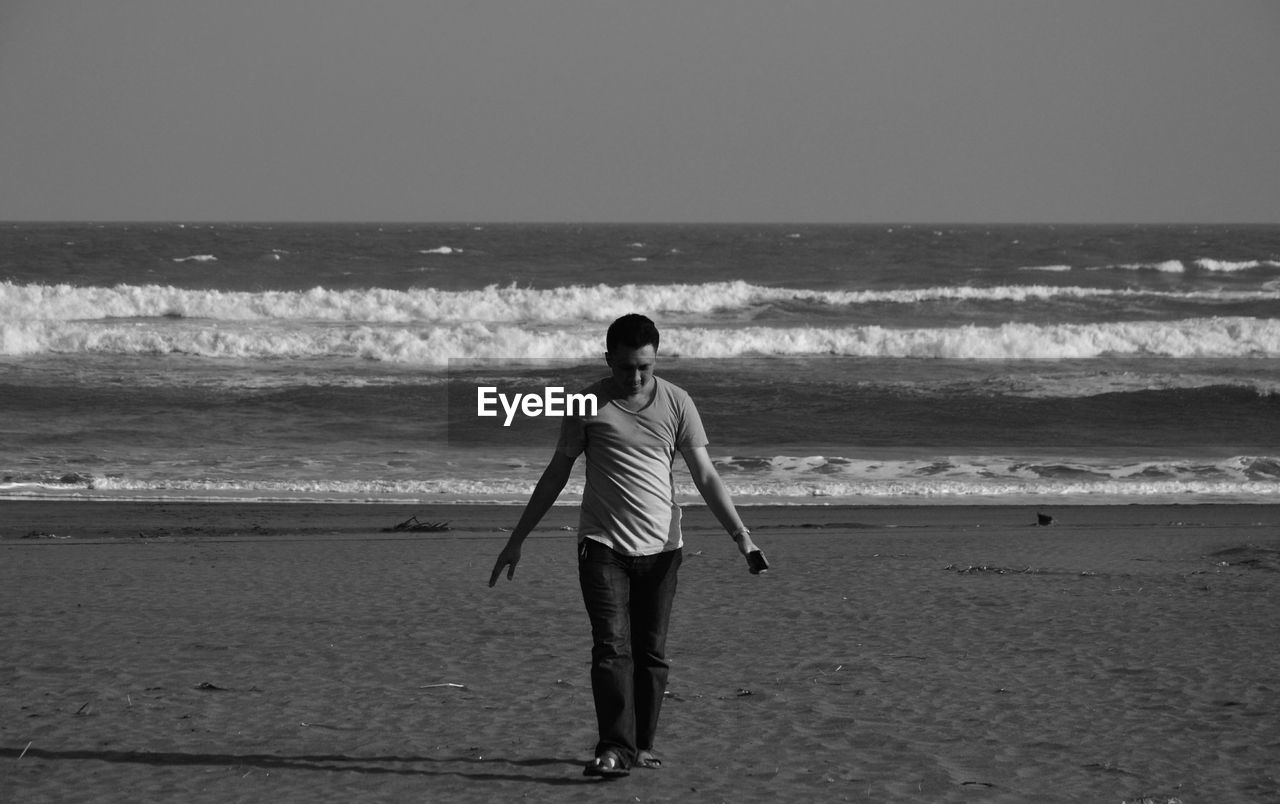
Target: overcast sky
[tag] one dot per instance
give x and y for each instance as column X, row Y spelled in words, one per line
column 641, row 110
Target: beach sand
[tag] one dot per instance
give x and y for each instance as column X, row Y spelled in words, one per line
column 294, row 652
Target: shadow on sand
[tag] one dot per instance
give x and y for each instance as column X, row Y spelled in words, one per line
column 496, row 768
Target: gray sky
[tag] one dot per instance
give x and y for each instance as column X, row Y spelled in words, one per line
column 641, row 110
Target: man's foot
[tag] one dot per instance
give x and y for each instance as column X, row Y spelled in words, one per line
column 608, row 765
column 646, row 759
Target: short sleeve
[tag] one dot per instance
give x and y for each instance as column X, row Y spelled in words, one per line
column 573, row 436
column 573, row 429
column 689, row 430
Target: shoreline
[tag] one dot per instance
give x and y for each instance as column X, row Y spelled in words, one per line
column 60, row 519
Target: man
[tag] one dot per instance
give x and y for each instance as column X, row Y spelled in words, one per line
column 629, row 539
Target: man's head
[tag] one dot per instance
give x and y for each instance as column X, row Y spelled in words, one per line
column 632, row 331
column 632, row 342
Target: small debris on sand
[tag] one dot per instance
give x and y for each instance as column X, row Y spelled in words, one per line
column 413, row 525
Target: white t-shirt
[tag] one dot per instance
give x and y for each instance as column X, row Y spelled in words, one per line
column 629, row 499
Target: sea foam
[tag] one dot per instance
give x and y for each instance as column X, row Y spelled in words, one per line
column 1228, row 266
column 511, row 304
column 437, row 345
column 781, row 478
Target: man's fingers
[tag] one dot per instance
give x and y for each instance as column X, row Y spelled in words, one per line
column 497, row 571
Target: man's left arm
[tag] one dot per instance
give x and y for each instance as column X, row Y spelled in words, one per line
column 712, row 489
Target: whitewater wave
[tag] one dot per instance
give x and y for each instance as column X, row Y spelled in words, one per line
column 1164, row 267
column 972, row 468
column 598, row 303
column 802, row 479
column 1169, row 266
column 1223, row 337
column 1229, row 266
column 1202, row 337
column 981, row 478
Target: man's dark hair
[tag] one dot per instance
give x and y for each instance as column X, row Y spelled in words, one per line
column 632, row 331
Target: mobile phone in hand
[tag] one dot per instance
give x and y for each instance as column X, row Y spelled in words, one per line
column 756, row 562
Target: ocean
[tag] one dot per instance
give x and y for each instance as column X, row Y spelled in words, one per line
column 855, row 364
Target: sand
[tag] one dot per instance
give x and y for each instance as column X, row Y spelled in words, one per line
column 236, row 652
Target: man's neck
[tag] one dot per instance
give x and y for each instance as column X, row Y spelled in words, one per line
column 637, row 401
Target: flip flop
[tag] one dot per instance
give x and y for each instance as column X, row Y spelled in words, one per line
column 646, row 759
column 608, row 765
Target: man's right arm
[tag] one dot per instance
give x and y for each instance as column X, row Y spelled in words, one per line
column 552, row 482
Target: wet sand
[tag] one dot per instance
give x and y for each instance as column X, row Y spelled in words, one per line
column 243, row 652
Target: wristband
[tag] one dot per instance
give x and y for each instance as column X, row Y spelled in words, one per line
column 739, row 533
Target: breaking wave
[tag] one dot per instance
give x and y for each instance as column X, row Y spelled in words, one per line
column 437, row 345
column 430, row 327
column 806, row 479
column 511, row 304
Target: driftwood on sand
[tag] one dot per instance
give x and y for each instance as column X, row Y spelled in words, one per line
column 412, row 524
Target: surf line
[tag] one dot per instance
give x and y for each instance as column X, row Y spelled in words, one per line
column 553, row 401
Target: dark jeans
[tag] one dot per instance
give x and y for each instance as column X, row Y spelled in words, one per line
column 628, row 599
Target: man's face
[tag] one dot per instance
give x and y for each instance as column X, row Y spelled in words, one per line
column 632, row 368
